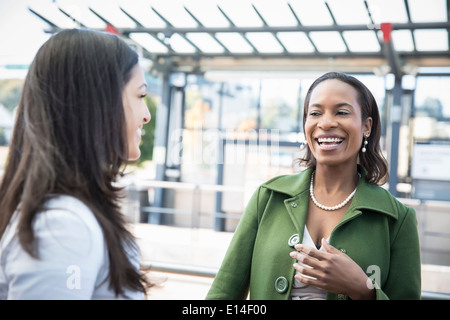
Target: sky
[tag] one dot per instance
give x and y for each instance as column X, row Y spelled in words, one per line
column 21, row 34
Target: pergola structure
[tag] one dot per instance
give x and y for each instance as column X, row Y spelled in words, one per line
column 395, row 36
column 356, row 36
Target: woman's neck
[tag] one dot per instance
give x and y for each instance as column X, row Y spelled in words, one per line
column 329, row 180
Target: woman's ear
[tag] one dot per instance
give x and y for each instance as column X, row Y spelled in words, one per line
column 367, row 126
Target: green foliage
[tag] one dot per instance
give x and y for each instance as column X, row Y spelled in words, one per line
column 148, row 132
column 10, row 91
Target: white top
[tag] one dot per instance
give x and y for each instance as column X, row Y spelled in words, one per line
column 301, row 291
column 73, row 258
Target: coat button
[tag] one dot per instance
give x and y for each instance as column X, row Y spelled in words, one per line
column 343, row 250
column 294, row 239
column 281, row 284
column 341, row 296
column 294, row 204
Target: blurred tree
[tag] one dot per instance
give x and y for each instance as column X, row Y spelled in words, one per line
column 10, row 91
column 148, row 132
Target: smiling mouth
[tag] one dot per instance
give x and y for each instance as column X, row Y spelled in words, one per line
column 329, row 143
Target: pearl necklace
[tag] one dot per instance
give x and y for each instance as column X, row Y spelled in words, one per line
column 321, row 206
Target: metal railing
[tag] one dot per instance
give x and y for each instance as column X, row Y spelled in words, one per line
column 197, row 191
column 200, row 271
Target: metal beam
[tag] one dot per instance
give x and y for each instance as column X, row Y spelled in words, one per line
column 72, row 18
column 299, row 24
column 274, row 29
column 51, row 24
column 266, row 25
column 168, row 33
column 288, row 55
column 234, row 26
column 139, row 25
column 201, row 25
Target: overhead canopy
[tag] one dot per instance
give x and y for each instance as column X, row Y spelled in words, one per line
column 285, row 35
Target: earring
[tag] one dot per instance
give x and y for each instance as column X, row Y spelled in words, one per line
column 303, row 146
column 365, row 143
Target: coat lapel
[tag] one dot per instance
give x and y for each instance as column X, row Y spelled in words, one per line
column 368, row 197
column 296, row 186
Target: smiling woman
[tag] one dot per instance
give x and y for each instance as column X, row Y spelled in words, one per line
column 329, row 232
column 78, row 124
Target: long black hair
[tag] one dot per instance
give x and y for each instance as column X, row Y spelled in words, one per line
column 372, row 160
column 70, row 138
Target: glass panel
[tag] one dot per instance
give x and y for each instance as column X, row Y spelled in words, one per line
column 52, row 13
column 114, row 15
column 83, row 14
column 234, row 42
column 329, row 41
column 240, row 12
column 275, row 13
column 238, row 100
column 393, row 11
column 295, row 41
column 205, row 42
column 264, row 42
column 428, row 10
column 349, row 12
column 432, row 98
column 142, row 12
column 403, row 40
column 179, row 44
column 432, row 108
column 280, row 104
column 311, row 13
column 431, row 40
column 207, row 13
column 174, row 13
column 148, row 42
column 362, row 41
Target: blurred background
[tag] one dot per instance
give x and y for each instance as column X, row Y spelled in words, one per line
column 227, row 80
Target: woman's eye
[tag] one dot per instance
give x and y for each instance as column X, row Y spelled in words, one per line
column 343, row 112
column 143, row 95
column 314, row 113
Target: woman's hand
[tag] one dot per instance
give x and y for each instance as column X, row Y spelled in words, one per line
column 333, row 271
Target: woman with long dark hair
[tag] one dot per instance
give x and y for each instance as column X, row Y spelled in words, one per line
column 78, row 123
column 331, row 231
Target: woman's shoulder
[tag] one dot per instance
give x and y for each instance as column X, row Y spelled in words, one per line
column 378, row 198
column 68, row 220
column 67, row 207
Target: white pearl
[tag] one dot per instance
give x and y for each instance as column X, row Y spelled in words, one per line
column 321, row 206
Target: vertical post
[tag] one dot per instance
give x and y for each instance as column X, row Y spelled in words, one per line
column 219, row 222
column 395, row 116
column 160, row 149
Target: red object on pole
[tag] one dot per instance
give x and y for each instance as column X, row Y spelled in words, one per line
column 386, row 28
column 111, row 29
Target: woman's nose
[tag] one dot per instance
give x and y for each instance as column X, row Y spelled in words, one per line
column 327, row 122
column 147, row 116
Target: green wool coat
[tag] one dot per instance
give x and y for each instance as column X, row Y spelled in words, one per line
column 378, row 232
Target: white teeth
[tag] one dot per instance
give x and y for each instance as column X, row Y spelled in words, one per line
column 335, row 140
column 139, row 132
